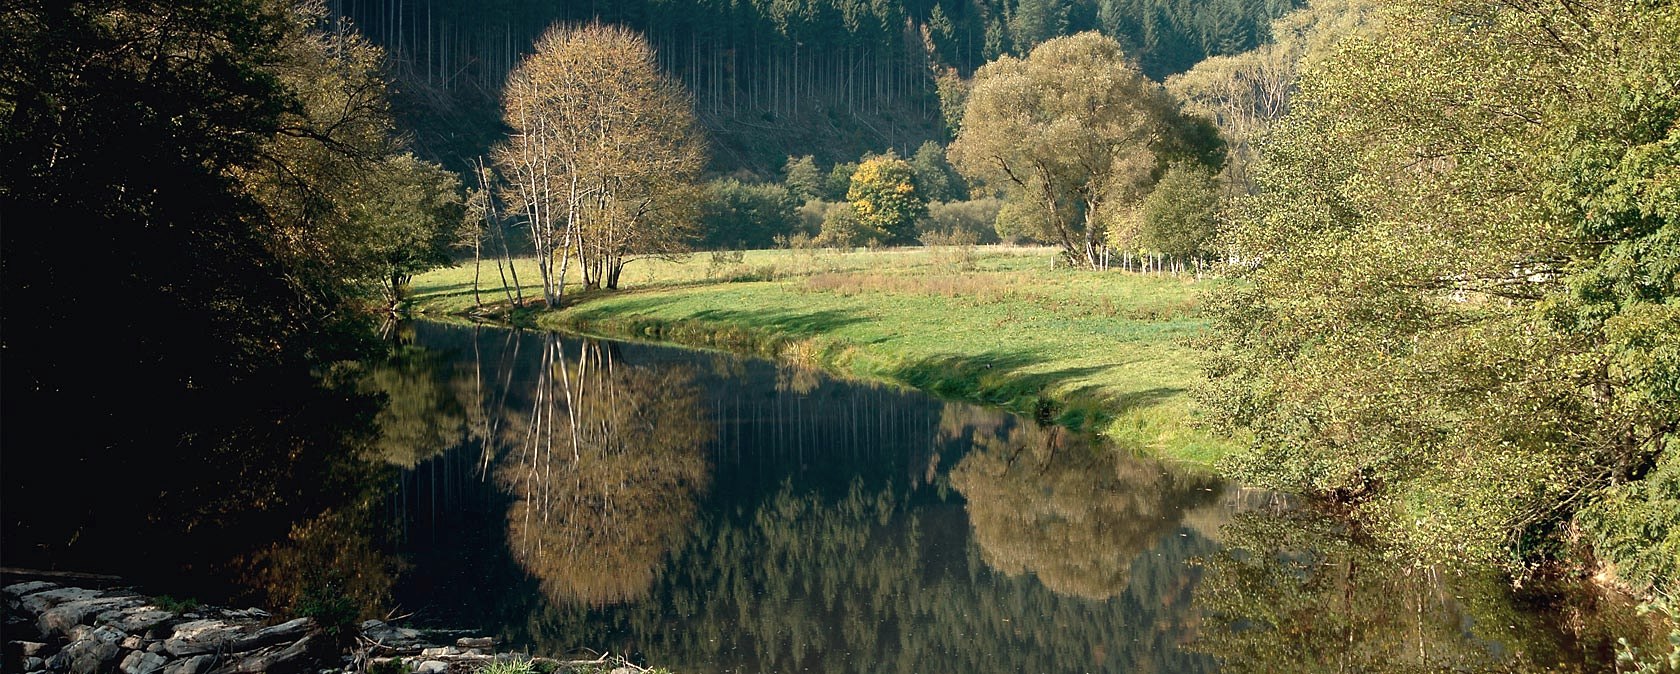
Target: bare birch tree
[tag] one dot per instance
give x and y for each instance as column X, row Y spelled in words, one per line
column 604, row 154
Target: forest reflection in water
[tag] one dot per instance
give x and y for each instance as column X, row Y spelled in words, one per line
column 717, row 514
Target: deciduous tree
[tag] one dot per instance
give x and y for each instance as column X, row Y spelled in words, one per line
column 884, row 198
column 1462, row 313
column 1074, row 128
column 604, row 154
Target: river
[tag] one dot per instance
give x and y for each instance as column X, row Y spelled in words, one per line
column 718, row 514
column 710, row 513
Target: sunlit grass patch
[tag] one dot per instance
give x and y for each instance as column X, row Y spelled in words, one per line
column 1103, row 350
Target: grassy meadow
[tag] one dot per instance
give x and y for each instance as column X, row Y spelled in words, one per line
column 996, row 325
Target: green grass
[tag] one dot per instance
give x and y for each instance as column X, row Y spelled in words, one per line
column 998, row 326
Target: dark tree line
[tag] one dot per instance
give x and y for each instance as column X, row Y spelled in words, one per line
column 191, row 233
column 776, row 77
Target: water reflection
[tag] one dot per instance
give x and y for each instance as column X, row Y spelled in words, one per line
column 718, row 514
column 1043, row 501
column 604, row 468
column 1295, row 590
column 715, row 514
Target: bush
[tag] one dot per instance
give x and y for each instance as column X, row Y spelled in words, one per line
column 840, row 227
column 1019, row 222
column 977, row 217
column 744, row 215
column 812, row 214
column 1635, row 528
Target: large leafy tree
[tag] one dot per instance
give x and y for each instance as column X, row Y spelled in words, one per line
column 1245, row 93
column 1462, row 315
column 1074, row 135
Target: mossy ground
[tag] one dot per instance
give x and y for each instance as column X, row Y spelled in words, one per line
column 997, row 325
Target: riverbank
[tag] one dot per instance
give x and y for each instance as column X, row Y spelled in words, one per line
column 996, row 325
column 51, row 627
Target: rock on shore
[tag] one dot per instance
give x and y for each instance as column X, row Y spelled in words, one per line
column 52, row 628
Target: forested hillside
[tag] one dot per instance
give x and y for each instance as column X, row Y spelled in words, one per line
column 773, row 78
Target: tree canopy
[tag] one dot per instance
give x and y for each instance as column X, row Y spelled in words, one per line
column 1074, row 135
column 180, row 236
column 604, row 155
column 885, row 199
column 1461, row 308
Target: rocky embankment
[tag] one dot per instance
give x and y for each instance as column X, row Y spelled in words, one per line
column 54, row 628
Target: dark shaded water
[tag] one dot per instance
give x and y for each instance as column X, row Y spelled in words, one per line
column 715, row 514
column 710, row 513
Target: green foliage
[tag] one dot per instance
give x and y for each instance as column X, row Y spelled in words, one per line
column 1034, row 22
column 1244, row 94
column 840, row 227
column 1181, row 215
column 886, row 201
column 952, row 90
column 396, row 666
column 335, row 613
column 331, row 568
column 839, row 181
column 405, row 216
column 741, row 215
column 1635, row 526
column 1019, row 222
column 174, row 604
column 935, row 179
column 179, row 187
column 509, row 667
column 977, row 218
column 1633, row 659
column 1461, row 319
column 1074, row 136
column 802, row 178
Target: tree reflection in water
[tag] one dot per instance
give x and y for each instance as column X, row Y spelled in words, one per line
column 714, row 514
column 605, row 470
column 1296, row 591
column 1044, row 501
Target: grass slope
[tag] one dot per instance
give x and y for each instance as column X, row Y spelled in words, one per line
column 998, row 326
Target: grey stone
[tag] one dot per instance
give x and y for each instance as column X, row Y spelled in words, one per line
column 432, row 667
column 200, row 636
column 31, row 587
column 268, row 636
column 276, row 658
column 29, row 648
column 156, row 647
column 246, row 614
column 388, row 635
column 60, row 619
column 193, row 665
column 32, row 663
column 475, row 642
column 140, row 662
column 38, row 602
column 137, row 619
column 88, row 654
column 440, row 652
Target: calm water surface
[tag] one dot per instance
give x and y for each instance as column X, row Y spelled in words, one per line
column 715, row 514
